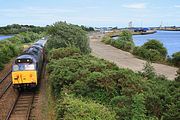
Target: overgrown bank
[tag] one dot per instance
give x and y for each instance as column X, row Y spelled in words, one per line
column 11, row 47
column 84, row 87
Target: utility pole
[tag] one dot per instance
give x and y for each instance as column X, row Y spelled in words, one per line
column 161, row 25
column 130, row 24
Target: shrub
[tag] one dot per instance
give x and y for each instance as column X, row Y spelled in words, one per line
column 106, row 40
column 176, row 59
column 71, row 108
column 67, row 35
column 156, row 45
column 124, row 45
column 124, row 42
column 122, row 107
column 63, row 52
column 138, row 107
column 126, row 35
column 148, row 71
column 178, row 75
column 148, row 54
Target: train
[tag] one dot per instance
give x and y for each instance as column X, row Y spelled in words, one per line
column 27, row 68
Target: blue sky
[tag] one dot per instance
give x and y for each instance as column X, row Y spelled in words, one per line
column 91, row 12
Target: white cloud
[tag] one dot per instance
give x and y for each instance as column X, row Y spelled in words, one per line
column 135, row 6
column 31, row 11
column 177, row 6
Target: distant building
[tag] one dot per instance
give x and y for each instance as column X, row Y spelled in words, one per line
column 141, row 29
column 103, row 29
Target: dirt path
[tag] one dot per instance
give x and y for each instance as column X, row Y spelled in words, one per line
column 124, row 59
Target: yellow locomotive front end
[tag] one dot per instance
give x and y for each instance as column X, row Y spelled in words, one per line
column 24, row 78
column 24, row 73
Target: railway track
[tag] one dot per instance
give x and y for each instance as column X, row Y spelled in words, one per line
column 4, row 90
column 25, row 105
column 21, row 109
column 5, row 84
column 1, row 80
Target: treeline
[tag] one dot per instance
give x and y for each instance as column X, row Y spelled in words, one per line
column 11, row 47
column 85, row 87
column 153, row 50
column 16, row 28
column 88, row 29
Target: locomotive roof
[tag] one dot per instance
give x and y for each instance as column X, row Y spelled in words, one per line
column 25, row 56
column 41, row 42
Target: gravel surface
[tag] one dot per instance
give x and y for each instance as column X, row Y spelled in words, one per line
column 9, row 97
column 125, row 59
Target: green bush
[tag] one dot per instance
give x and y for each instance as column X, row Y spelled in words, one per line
column 152, row 50
column 124, row 42
column 123, row 45
column 126, row 35
column 63, row 52
column 156, row 45
column 138, row 107
column 8, row 50
column 148, row 71
column 67, row 35
column 71, row 108
column 106, row 40
column 178, row 75
column 148, row 54
column 176, row 59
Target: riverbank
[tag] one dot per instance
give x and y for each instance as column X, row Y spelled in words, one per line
column 117, row 32
column 144, row 33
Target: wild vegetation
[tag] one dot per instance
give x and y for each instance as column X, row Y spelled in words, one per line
column 16, row 28
column 178, row 75
column 85, row 87
column 11, row 47
column 153, row 50
column 176, row 59
column 67, row 35
column 88, row 29
column 124, row 42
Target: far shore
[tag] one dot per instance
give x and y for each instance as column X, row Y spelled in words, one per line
column 144, row 33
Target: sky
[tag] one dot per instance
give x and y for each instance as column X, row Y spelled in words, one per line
column 95, row 13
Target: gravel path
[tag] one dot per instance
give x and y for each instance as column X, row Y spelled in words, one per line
column 125, row 59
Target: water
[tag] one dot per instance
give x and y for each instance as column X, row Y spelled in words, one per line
column 170, row 39
column 5, row 36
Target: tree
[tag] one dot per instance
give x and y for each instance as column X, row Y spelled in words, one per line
column 126, row 35
column 67, row 35
column 156, row 45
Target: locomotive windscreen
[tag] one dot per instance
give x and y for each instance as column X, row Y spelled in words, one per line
column 27, row 60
